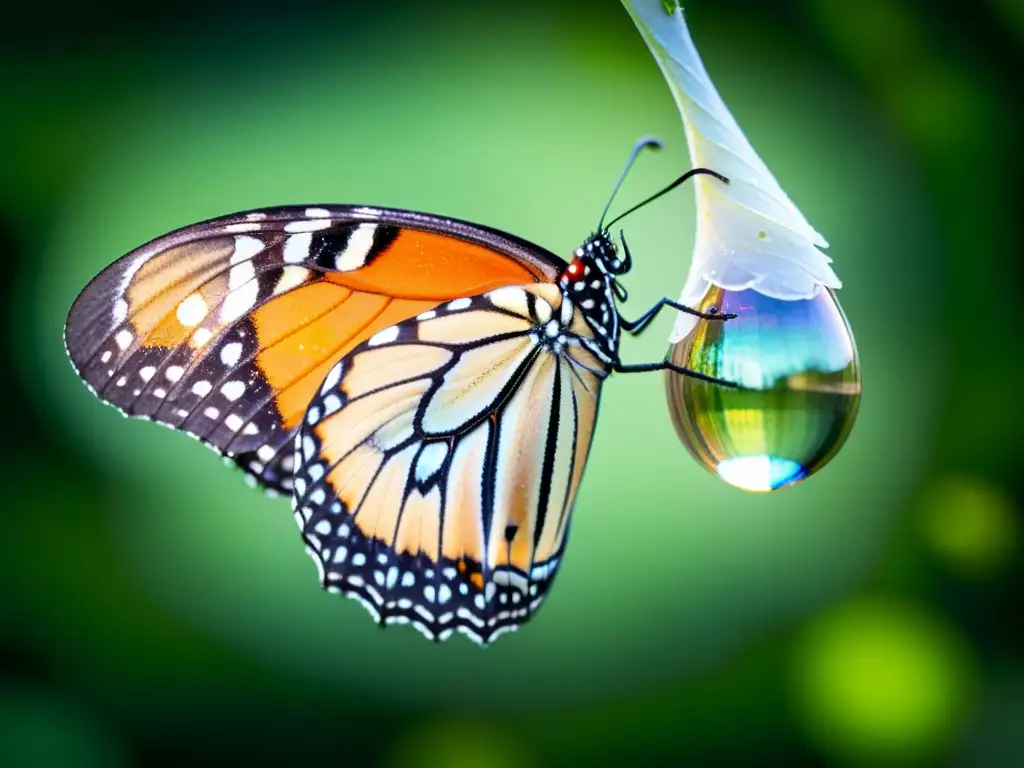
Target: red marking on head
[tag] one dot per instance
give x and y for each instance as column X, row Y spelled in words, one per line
column 573, row 272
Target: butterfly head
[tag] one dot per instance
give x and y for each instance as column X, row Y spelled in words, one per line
column 598, row 254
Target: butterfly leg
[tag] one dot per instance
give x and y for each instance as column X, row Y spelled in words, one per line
column 666, row 365
column 636, row 327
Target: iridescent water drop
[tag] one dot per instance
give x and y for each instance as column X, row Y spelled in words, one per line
column 797, row 364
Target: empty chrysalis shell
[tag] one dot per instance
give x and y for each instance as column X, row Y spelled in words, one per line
column 790, row 347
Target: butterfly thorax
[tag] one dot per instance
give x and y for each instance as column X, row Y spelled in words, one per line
column 588, row 282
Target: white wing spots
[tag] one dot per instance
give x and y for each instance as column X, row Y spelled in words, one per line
column 332, row 404
column 587, row 304
column 240, row 274
column 122, row 381
column 256, row 215
column 383, row 337
column 202, row 388
column 357, row 250
column 245, row 248
column 211, row 413
column 192, row 310
column 123, row 338
column 308, row 448
column 552, row 329
column 120, row 311
column 317, row 213
column 160, row 393
column 457, row 304
column 430, row 314
column 333, row 377
column 106, row 356
column 233, row 389
column 231, row 353
column 266, row 452
column 233, row 422
column 201, row 336
column 313, row 415
column 431, row 458
column 291, row 277
column 307, row 225
column 147, row 372
column 242, row 226
column 174, row 373
column 243, row 291
column 251, row 429
column 296, row 247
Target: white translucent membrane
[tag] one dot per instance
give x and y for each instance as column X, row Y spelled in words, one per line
column 749, row 233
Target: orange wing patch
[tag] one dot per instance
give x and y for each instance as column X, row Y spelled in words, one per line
column 226, row 329
column 432, row 267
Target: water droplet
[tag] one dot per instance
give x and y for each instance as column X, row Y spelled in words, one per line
column 798, row 364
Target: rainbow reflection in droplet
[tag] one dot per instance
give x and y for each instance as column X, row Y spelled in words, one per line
column 798, row 366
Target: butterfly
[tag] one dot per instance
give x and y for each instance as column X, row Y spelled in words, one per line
column 425, row 389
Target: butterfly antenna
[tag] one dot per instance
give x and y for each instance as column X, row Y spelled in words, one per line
column 670, row 187
column 644, row 143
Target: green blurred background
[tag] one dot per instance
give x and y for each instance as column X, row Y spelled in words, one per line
column 155, row 611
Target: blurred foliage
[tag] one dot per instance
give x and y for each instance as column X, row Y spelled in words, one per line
column 154, row 611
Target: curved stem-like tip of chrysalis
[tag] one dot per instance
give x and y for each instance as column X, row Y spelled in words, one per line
column 750, row 235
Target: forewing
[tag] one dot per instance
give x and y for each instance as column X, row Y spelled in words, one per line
column 225, row 329
column 436, row 468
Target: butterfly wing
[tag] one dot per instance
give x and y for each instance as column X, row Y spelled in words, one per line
column 225, row 329
column 436, row 468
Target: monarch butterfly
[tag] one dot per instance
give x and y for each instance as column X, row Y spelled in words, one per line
column 426, row 389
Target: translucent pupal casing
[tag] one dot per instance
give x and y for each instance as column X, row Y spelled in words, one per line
column 749, row 234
